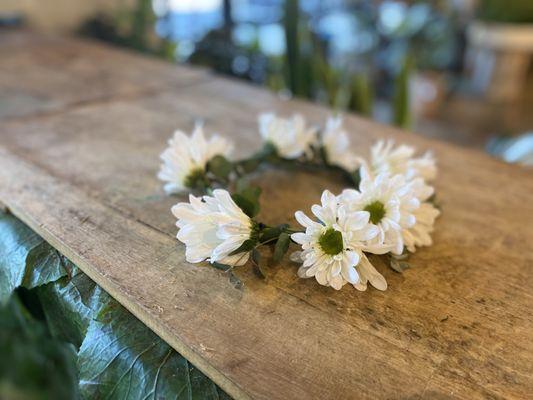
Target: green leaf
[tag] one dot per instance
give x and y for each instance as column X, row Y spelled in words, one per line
column 16, row 242
column 247, row 206
column 222, row 267
column 250, row 192
column 271, row 233
column 43, row 264
column 247, row 198
column 399, row 266
column 267, row 153
column 25, row 259
column 70, row 304
column 121, row 358
column 32, row 364
column 246, row 246
column 355, row 177
column 220, row 166
column 258, row 264
column 282, row 245
column 250, row 164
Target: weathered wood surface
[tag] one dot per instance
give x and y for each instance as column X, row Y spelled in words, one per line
column 457, row 325
column 43, row 74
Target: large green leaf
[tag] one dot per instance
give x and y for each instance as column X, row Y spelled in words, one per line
column 25, row 259
column 43, row 264
column 70, row 304
column 119, row 357
column 16, row 240
column 122, row 359
column 32, row 364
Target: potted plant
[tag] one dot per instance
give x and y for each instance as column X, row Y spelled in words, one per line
column 500, row 48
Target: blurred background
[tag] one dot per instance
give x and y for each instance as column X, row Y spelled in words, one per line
column 457, row 70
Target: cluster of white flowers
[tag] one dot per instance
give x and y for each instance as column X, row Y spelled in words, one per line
column 293, row 139
column 389, row 212
column 385, row 214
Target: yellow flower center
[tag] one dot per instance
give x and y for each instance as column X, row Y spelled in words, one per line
column 376, row 210
column 331, row 242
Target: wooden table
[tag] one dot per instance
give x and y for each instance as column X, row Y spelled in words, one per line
column 81, row 129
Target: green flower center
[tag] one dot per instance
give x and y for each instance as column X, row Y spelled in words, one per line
column 376, row 210
column 331, row 242
column 195, row 179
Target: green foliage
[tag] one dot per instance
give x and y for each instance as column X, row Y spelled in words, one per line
column 119, row 357
column 245, row 247
column 509, row 11
column 197, row 179
column 362, row 95
column 69, row 305
column 259, row 264
column 292, row 55
column 310, row 67
column 271, row 233
column 25, row 259
column 247, row 198
column 131, row 27
column 33, row 365
column 308, row 73
column 355, row 178
column 43, row 264
column 399, row 262
column 281, row 247
column 398, row 265
column 142, row 21
column 402, row 112
column 245, row 204
column 220, row 166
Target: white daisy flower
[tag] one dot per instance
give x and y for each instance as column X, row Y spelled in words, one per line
column 369, row 274
column 420, row 233
column 391, row 202
column 336, row 145
column 332, row 247
column 290, row 137
column 186, row 157
column 213, row 227
column 385, row 158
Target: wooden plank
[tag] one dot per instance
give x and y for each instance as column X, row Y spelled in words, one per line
column 46, row 73
column 219, row 328
column 457, row 325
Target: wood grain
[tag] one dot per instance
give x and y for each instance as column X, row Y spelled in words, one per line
column 44, row 74
column 457, row 325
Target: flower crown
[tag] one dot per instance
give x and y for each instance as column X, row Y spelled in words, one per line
column 388, row 209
